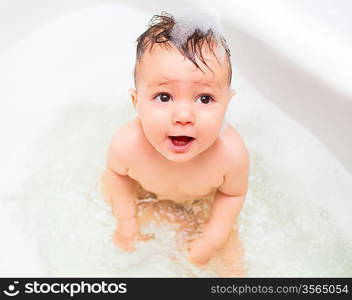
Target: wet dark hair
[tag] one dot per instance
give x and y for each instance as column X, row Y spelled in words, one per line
column 158, row 32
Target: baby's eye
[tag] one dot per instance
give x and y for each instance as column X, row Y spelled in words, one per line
column 205, row 99
column 163, row 97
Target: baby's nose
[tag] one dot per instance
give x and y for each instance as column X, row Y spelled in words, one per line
column 183, row 114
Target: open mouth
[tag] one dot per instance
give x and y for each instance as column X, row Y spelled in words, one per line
column 180, row 143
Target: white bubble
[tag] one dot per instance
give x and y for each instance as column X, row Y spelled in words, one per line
column 189, row 19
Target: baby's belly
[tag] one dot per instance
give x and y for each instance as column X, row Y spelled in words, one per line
column 191, row 211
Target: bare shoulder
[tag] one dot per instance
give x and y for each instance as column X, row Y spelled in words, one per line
column 236, row 158
column 235, row 148
column 122, row 147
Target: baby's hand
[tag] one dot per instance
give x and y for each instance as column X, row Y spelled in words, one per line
column 201, row 251
column 127, row 232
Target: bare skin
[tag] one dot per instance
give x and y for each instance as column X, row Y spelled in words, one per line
column 200, row 190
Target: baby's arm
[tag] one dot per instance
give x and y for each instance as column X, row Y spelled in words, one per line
column 120, row 191
column 222, row 219
column 122, row 196
column 227, row 205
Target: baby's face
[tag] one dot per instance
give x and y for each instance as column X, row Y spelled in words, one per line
column 175, row 99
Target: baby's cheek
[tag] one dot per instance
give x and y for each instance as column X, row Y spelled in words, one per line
column 212, row 130
column 207, row 141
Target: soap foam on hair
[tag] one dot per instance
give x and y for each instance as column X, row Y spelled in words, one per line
column 189, row 19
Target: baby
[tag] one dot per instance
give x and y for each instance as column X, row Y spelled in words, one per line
column 179, row 150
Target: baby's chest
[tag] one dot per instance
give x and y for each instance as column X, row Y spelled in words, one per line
column 172, row 184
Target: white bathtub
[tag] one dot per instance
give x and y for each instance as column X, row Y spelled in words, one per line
column 64, row 77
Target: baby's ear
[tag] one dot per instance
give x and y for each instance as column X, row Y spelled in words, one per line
column 231, row 94
column 133, row 94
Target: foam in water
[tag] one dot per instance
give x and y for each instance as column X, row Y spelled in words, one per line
column 189, row 19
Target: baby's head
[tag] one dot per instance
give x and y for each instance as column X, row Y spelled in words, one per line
column 182, row 83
